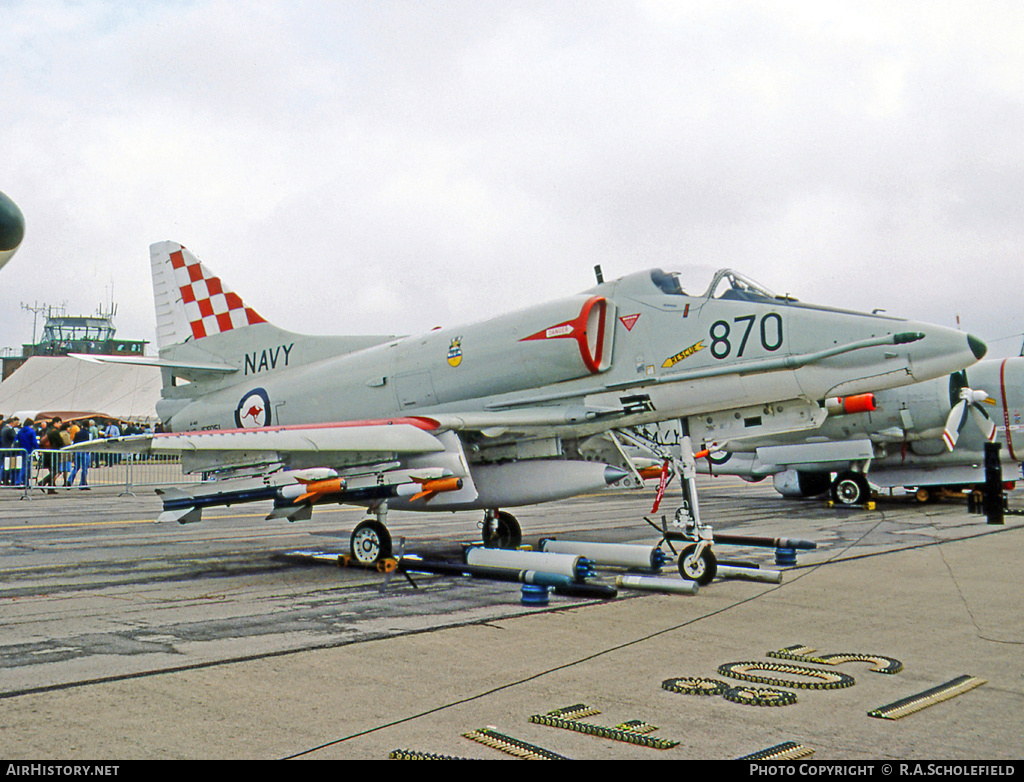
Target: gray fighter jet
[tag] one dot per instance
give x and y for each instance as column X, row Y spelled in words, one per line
column 497, row 414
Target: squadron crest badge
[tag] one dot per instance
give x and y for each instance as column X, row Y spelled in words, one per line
column 455, row 352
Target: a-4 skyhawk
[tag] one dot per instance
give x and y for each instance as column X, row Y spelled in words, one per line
column 500, row 413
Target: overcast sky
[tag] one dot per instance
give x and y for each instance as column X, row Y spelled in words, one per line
column 388, row 166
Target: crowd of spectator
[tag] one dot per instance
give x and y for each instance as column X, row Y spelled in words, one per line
column 20, row 439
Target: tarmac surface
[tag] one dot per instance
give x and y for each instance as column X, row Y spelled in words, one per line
column 125, row 639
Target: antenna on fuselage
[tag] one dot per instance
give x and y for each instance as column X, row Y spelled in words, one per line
column 598, row 274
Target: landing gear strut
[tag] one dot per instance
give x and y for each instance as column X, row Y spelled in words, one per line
column 501, row 530
column 697, row 561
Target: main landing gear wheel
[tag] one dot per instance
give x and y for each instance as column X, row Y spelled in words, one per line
column 371, row 542
column 701, row 568
column 502, row 530
column 850, row 488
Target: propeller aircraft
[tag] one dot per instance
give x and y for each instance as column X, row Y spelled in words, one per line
column 921, row 436
column 496, row 414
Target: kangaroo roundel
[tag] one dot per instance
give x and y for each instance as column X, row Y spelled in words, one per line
column 254, row 410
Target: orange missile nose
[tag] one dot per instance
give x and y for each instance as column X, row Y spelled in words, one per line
column 848, row 405
column 317, row 490
column 443, row 484
column 429, row 489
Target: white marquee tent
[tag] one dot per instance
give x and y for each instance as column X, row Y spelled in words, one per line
column 71, row 388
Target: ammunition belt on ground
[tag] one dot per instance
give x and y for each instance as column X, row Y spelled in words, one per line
column 801, row 653
column 759, row 696
column 520, row 749
column 831, row 680
column 575, row 712
column 912, row 703
column 787, row 750
column 635, row 733
column 412, row 754
column 689, row 685
column 749, row 696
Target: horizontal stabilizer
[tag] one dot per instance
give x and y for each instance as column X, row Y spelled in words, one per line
column 153, row 361
column 132, row 443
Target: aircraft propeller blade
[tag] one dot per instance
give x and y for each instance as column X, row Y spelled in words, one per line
column 953, row 423
column 985, row 424
column 963, row 398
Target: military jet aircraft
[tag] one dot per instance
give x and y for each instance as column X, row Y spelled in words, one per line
column 924, row 436
column 491, row 415
column 12, row 229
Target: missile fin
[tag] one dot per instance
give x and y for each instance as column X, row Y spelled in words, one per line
column 301, row 512
column 182, row 515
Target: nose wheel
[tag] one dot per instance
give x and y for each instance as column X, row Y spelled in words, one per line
column 697, row 562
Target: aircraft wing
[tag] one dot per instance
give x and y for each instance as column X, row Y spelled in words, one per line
column 305, row 445
column 361, row 436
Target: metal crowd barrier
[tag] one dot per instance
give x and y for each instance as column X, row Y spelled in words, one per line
column 12, row 474
column 51, row 470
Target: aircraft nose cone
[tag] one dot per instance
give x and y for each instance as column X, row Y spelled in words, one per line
column 12, row 224
column 978, row 348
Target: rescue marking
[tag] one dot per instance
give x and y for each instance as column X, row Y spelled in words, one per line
column 671, row 361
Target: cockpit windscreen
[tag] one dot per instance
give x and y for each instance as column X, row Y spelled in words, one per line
column 726, row 284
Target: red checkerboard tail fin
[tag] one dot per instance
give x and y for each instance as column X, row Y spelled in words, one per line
column 191, row 302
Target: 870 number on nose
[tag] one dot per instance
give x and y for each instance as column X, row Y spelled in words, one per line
column 722, row 335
